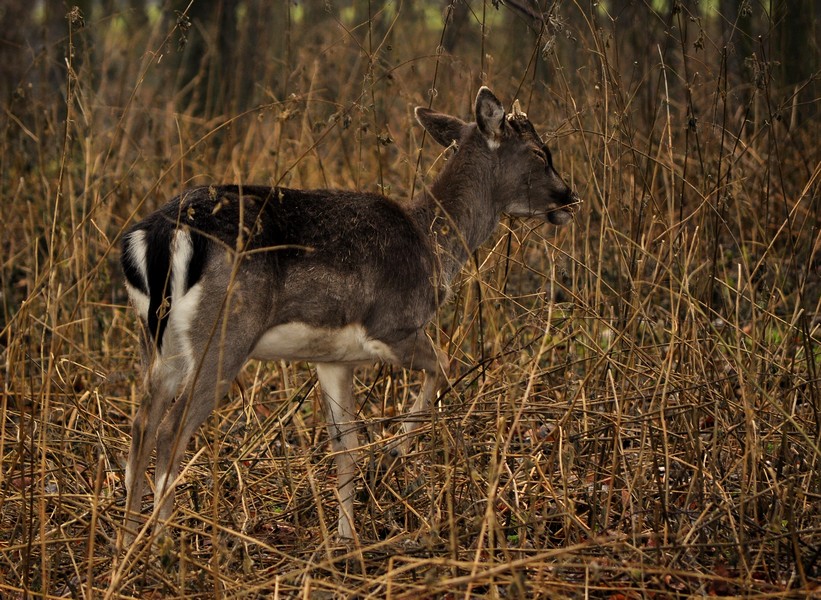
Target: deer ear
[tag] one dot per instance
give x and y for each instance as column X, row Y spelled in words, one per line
column 443, row 128
column 490, row 116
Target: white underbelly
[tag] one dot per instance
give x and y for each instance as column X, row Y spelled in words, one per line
column 298, row 341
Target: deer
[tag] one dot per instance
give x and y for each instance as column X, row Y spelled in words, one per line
column 227, row 273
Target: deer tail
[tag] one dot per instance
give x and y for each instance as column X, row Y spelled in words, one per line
column 161, row 263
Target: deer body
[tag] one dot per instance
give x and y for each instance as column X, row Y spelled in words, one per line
column 222, row 274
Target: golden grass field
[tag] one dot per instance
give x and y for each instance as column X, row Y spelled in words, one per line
column 635, row 408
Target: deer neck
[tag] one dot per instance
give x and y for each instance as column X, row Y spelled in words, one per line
column 457, row 212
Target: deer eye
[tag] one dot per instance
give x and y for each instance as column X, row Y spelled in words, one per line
column 548, row 158
column 540, row 155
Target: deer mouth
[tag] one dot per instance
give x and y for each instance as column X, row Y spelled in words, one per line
column 559, row 216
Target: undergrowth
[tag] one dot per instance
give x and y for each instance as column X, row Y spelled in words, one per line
column 634, row 399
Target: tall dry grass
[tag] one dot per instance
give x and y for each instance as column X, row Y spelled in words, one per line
column 634, row 409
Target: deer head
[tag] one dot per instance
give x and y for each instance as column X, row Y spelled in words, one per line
column 516, row 166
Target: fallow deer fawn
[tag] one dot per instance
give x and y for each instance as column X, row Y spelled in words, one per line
column 226, row 273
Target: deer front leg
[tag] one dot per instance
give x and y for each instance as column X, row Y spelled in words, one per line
column 418, row 352
column 336, row 381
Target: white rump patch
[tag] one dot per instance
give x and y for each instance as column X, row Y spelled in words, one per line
column 298, row 341
column 139, row 300
column 183, row 311
column 181, row 252
column 177, row 354
column 137, row 255
column 184, row 304
column 175, row 362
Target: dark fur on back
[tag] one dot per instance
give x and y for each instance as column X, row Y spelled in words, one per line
column 334, row 237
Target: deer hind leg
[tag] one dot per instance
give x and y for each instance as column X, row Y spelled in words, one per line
column 162, row 382
column 336, row 381
column 419, row 353
column 210, row 381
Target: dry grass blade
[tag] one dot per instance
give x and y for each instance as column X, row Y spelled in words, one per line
column 634, row 409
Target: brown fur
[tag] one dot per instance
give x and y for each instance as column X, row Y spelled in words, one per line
column 335, row 277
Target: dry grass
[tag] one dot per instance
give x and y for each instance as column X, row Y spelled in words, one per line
column 635, row 399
